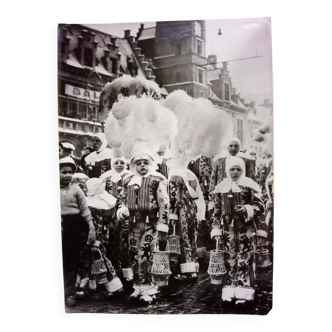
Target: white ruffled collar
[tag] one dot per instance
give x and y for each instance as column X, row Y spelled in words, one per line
column 228, row 184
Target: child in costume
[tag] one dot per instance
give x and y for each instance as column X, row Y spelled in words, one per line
column 102, row 207
column 187, row 209
column 202, row 130
column 118, row 230
column 236, row 207
column 137, row 128
column 145, row 195
column 76, row 217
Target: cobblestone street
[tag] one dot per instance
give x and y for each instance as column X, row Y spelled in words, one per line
column 198, row 298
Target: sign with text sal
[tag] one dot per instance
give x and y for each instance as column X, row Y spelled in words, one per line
column 81, row 93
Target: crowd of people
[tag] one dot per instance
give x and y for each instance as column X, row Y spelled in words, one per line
column 117, row 213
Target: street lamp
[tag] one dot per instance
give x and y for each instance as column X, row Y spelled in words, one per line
column 219, row 33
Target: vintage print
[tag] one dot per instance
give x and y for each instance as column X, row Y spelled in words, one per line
column 166, row 166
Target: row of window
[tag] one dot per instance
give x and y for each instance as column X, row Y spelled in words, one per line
column 199, row 47
column 78, row 110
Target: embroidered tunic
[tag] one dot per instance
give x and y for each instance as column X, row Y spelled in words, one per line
column 118, row 230
column 148, row 206
column 184, row 207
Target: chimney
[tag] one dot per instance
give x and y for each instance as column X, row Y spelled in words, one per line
column 224, row 65
column 127, row 33
column 113, row 41
column 242, row 101
column 252, row 104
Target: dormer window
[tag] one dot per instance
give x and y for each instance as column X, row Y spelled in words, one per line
column 87, row 57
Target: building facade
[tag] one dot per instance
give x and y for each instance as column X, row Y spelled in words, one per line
column 173, row 54
column 178, row 52
column 87, row 60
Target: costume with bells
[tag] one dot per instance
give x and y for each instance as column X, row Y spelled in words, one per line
column 118, row 231
column 146, row 197
column 202, row 168
column 187, row 209
column 236, row 231
column 202, row 130
column 102, row 207
column 137, row 128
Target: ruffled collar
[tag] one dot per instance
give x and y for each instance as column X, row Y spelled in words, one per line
column 228, row 184
column 137, row 179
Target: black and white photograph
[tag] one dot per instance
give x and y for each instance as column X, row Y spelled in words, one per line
column 166, row 166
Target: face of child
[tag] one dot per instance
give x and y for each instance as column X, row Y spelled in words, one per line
column 233, row 148
column 66, row 174
column 235, row 173
column 119, row 166
column 142, row 166
column 96, row 143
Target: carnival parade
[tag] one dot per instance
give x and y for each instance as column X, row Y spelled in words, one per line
column 164, row 197
column 166, row 175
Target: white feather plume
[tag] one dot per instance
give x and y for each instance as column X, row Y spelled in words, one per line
column 134, row 119
column 203, row 129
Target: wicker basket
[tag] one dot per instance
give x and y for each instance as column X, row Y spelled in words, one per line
column 189, row 267
column 113, row 285
column 98, row 266
column 263, row 258
column 160, row 269
column 217, row 269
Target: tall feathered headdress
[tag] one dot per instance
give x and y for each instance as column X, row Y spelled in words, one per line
column 135, row 124
column 203, row 130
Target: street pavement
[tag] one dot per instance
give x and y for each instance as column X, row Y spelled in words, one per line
column 195, row 298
